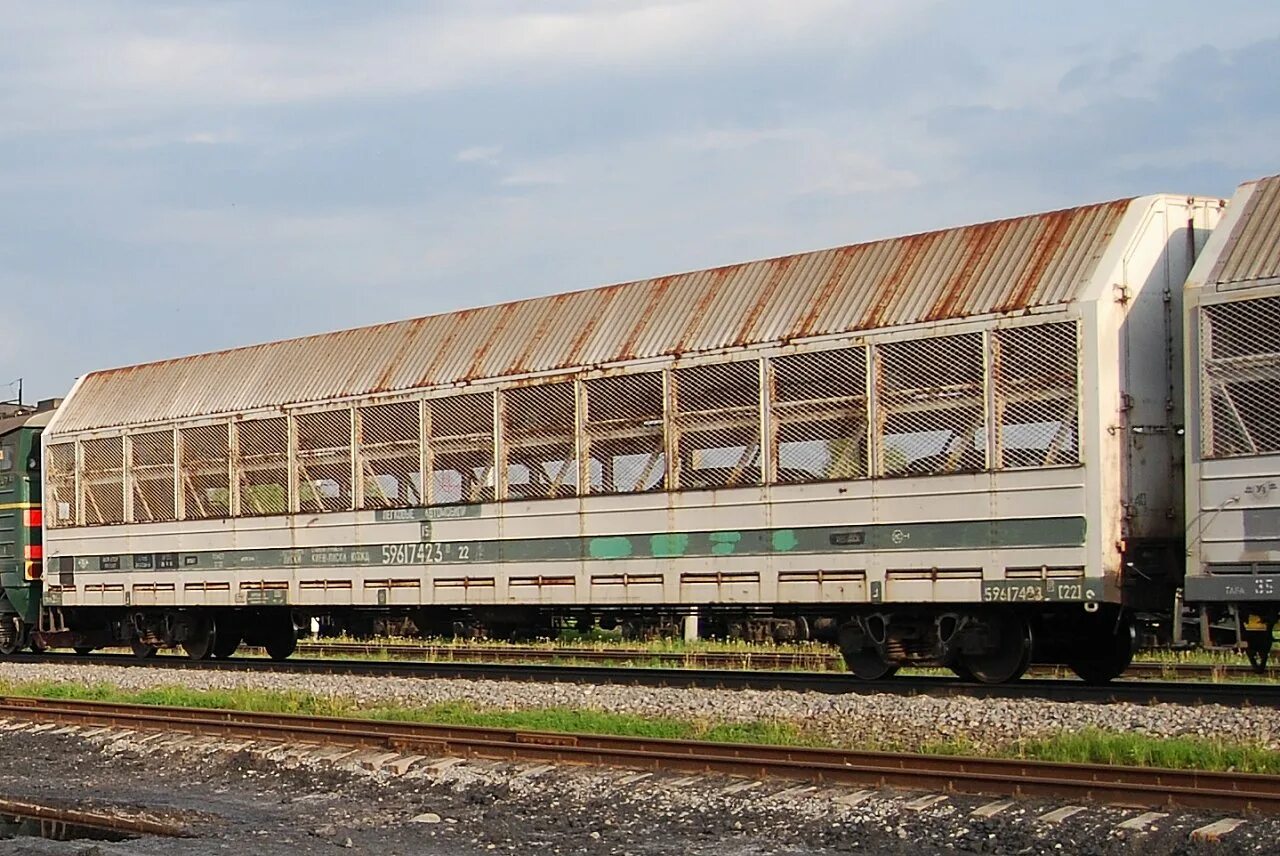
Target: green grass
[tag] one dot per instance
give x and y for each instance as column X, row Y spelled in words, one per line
column 1089, row 746
column 1136, row 750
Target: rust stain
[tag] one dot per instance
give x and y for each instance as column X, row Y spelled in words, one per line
column 911, row 250
column 409, row 337
column 577, row 347
column 778, row 270
column 504, row 314
column 978, row 244
column 460, row 322
column 699, row 313
column 550, row 310
column 844, row 258
column 658, row 289
column 1054, row 228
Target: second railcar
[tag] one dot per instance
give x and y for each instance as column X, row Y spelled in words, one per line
column 1233, row 447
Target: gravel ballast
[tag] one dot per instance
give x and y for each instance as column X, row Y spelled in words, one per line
column 851, row 719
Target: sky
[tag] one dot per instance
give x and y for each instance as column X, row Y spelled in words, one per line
column 184, row 177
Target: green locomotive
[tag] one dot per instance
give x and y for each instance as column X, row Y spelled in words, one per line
column 21, row 543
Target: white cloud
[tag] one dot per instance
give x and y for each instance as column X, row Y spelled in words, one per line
column 479, row 154
column 125, row 57
column 533, row 177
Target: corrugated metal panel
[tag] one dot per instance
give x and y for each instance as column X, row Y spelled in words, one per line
column 1253, row 248
column 1006, row 266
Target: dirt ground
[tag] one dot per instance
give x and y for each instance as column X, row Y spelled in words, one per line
column 243, row 802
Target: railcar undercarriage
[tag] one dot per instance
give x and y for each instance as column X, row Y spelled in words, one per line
column 988, row 645
column 978, row 643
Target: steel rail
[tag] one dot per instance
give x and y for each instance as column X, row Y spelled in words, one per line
column 101, row 819
column 1133, row 692
column 1128, row 786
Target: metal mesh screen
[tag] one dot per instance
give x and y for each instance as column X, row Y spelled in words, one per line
column 624, row 434
column 1240, row 377
column 203, row 472
column 324, row 460
column 539, row 441
column 102, row 481
column 151, row 471
column 460, row 462
column 717, row 423
column 932, row 405
column 262, row 467
column 60, row 485
column 1037, row 395
column 820, row 415
column 391, row 455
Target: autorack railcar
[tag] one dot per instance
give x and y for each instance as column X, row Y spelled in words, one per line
column 957, row 447
column 1233, row 447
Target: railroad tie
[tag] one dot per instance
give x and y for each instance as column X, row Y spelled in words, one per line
column 1142, row 821
column 1060, row 814
column 1215, row 831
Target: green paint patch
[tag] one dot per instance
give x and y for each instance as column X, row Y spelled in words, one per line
column 785, row 540
column 669, row 545
column 611, row 548
column 724, row 543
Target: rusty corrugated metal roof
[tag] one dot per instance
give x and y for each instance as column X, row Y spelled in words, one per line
column 1003, row 266
column 1252, row 251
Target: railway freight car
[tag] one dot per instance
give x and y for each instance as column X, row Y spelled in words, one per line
column 957, row 447
column 1233, row 447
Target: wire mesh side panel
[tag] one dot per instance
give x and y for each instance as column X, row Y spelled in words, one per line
column 819, row 424
column 539, row 441
column 1240, row 378
column 717, row 424
column 1037, row 373
column 932, row 405
column 262, row 466
column 391, row 455
column 203, row 472
column 102, row 481
column 60, row 485
column 623, row 430
column 151, row 471
column 460, row 466
column 324, row 460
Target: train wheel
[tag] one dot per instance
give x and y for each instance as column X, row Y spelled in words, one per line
column 962, row 672
column 867, row 665
column 13, row 635
column 1008, row 657
column 200, row 639
column 861, row 657
column 282, row 642
column 226, row 643
column 84, row 650
column 142, row 650
column 1107, row 660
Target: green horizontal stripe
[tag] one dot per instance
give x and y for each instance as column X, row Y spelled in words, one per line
column 952, row 535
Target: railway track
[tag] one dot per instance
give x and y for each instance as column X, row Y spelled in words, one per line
column 778, row 660
column 1132, row 691
column 1145, row 787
